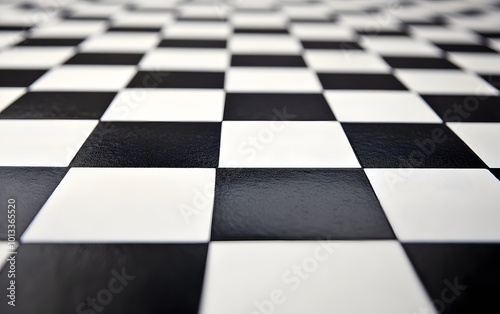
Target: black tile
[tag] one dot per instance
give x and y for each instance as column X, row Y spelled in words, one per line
column 291, row 107
column 136, row 278
column 465, row 48
column 468, row 108
column 360, row 81
column 19, row 28
column 460, row 278
column 419, row 63
column 52, row 42
column 86, row 18
column 201, row 19
column 496, row 173
column 151, row 144
column 260, row 30
column 106, row 58
column 30, row 188
column 192, row 43
column 59, row 105
column 296, row 204
column 369, row 32
column 163, row 79
column 267, row 61
column 380, row 145
column 19, row 78
column 489, row 34
column 310, row 20
column 493, row 80
column 134, row 29
column 344, row 45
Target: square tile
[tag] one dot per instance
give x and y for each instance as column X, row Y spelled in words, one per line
column 120, row 43
column 345, row 61
column 452, row 82
column 380, row 106
column 282, row 80
column 192, row 43
column 482, row 138
column 360, row 81
column 198, row 30
column 185, row 59
column 119, row 196
column 259, row 204
column 293, row 107
column 39, row 143
column 135, row 144
column 85, row 78
column 330, row 273
column 483, row 63
column 19, row 77
column 419, row 63
column 8, row 95
column 259, row 20
column 267, row 61
column 69, row 29
column 444, row 34
column 123, row 271
column 321, row 32
column 397, row 145
column 439, row 205
column 396, row 46
column 59, row 105
column 177, row 79
column 166, row 105
column 50, row 42
column 105, row 58
column 472, row 48
column 468, row 108
column 264, row 44
column 34, row 58
column 281, row 143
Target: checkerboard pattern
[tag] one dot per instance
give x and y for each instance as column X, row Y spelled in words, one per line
column 251, row 157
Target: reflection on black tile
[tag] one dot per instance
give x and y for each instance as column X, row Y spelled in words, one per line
column 59, row 105
column 395, row 145
column 30, row 188
column 460, row 278
column 94, row 278
column 469, row 108
column 296, row 204
column 289, row 107
column 151, row 144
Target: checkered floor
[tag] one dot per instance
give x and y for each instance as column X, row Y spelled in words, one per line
column 253, row 157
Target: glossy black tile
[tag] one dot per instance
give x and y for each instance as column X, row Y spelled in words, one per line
column 395, row 145
column 151, row 144
column 106, row 58
column 296, row 204
column 470, row 108
column 52, row 42
column 170, row 79
column 192, row 43
column 267, row 61
column 360, row 81
column 292, row 107
column 419, row 63
column 134, row 29
column 19, row 77
column 112, row 278
column 465, row 48
column 239, row 30
column 30, row 188
column 343, row 45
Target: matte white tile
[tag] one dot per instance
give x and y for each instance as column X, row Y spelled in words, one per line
column 132, row 205
column 456, row 205
column 482, row 138
column 8, row 38
column 42, row 143
column 271, row 80
column 34, row 57
column 394, row 46
column 120, row 43
column 443, row 35
column 69, row 29
column 380, row 106
column 283, row 144
column 186, row 59
column 264, row 44
column 482, row 63
column 85, row 78
column 198, row 30
column 444, row 82
column 139, row 19
column 311, row 277
column 166, row 105
column 259, row 20
column 345, row 61
column 315, row 31
column 8, row 95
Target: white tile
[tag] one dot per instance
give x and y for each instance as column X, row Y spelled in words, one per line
column 198, row 30
column 444, row 35
column 369, row 22
column 271, row 80
column 42, row 143
column 320, row 277
column 264, row 44
column 380, row 106
column 34, row 57
column 139, row 19
column 444, row 82
column 186, row 59
column 69, row 29
column 5, row 249
column 393, row 46
column 8, row 95
column 85, row 78
column 120, row 42
column 8, row 38
column 166, row 105
column 482, row 63
column 457, row 205
column 315, row 31
column 132, row 205
column 482, row 138
column 319, row 144
column 307, row 11
column 345, row 61
column 259, row 20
